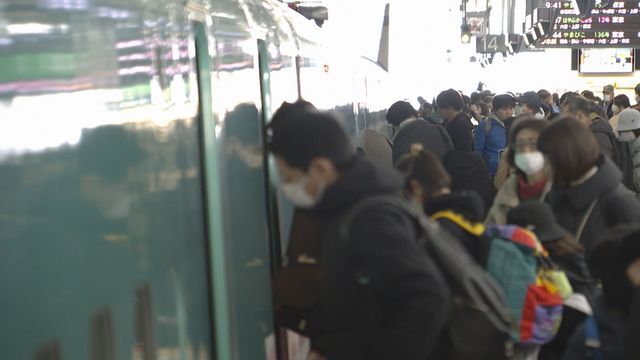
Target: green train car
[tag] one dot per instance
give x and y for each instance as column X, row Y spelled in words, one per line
column 138, row 216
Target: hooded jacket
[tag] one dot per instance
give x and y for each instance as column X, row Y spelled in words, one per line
column 488, row 144
column 604, row 134
column 471, row 208
column 460, row 131
column 615, row 204
column 469, row 173
column 432, row 137
column 384, row 297
column 506, row 199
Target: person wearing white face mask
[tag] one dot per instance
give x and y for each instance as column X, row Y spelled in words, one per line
column 629, row 132
column 528, row 181
column 608, row 94
column 637, row 97
column 620, row 103
column 383, row 296
column 530, row 103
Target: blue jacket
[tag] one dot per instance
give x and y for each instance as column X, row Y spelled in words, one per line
column 489, row 140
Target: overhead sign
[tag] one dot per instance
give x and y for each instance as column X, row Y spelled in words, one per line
column 491, row 44
column 615, row 26
column 606, row 61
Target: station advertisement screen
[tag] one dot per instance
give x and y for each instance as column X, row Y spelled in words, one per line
column 615, row 26
column 606, row 61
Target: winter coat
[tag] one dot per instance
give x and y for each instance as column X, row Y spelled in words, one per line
column 616, row 204
column 469, row 173
column 506, row 199
column 377, row 147
column 384, row 296
column 632, row 346
column 433, row 137
column 604, row 134
column 490, row 139
column 611, row 327
column 471, row 208
column 460, row 131
column 635, row 153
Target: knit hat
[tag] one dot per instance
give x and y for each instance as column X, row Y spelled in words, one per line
column 629, row 119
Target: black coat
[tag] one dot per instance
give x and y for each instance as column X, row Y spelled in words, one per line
column 604, row 135
column 611, row 327
column 460, row 131
column 432, row 137
column 470, row 173
column 616, row 204
column 399, row 312
column 632, row 346
column 471, row 208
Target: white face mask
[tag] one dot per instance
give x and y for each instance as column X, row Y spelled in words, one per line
column 607, row 98
column 539, row 115
column 615, row 109
column 530, row 163
column 627, row 136
column 296, row 193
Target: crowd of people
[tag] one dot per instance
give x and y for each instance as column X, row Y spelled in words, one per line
column 400, row 256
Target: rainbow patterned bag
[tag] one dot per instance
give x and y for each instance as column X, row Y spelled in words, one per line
column 521, row 266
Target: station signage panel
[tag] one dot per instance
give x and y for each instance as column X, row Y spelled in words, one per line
column 615, row 26
column 491, row 44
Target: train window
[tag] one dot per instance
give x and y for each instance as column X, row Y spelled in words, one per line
column 102, row 336
column 143, row 318
column 51, row 350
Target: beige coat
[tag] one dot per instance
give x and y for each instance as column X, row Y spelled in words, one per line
column 506, row 199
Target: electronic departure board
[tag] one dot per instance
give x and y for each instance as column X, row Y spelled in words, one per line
column 616, row 26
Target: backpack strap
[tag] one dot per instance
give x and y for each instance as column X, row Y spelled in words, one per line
column 476, row 229
column 592, row 338
column 584, row 220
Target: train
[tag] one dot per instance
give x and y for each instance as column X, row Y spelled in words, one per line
column 139, row 216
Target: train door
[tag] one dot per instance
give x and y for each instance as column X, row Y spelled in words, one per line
column 208, row 148
column 290, row 345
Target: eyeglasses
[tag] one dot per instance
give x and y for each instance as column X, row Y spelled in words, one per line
column 525, row 145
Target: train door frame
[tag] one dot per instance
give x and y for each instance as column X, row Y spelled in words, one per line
column 219, row 312
column 271, row 191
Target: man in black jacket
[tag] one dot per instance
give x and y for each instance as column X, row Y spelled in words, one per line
column 579, row 107
column 384, row 298
column 457, row 123
column 411, row 129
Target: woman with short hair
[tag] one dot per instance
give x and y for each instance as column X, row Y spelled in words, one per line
column 528, row 182
column 587, row 196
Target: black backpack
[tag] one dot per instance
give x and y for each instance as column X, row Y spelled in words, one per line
column 479, row 324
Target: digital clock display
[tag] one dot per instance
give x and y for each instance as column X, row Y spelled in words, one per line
column 615, row 26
